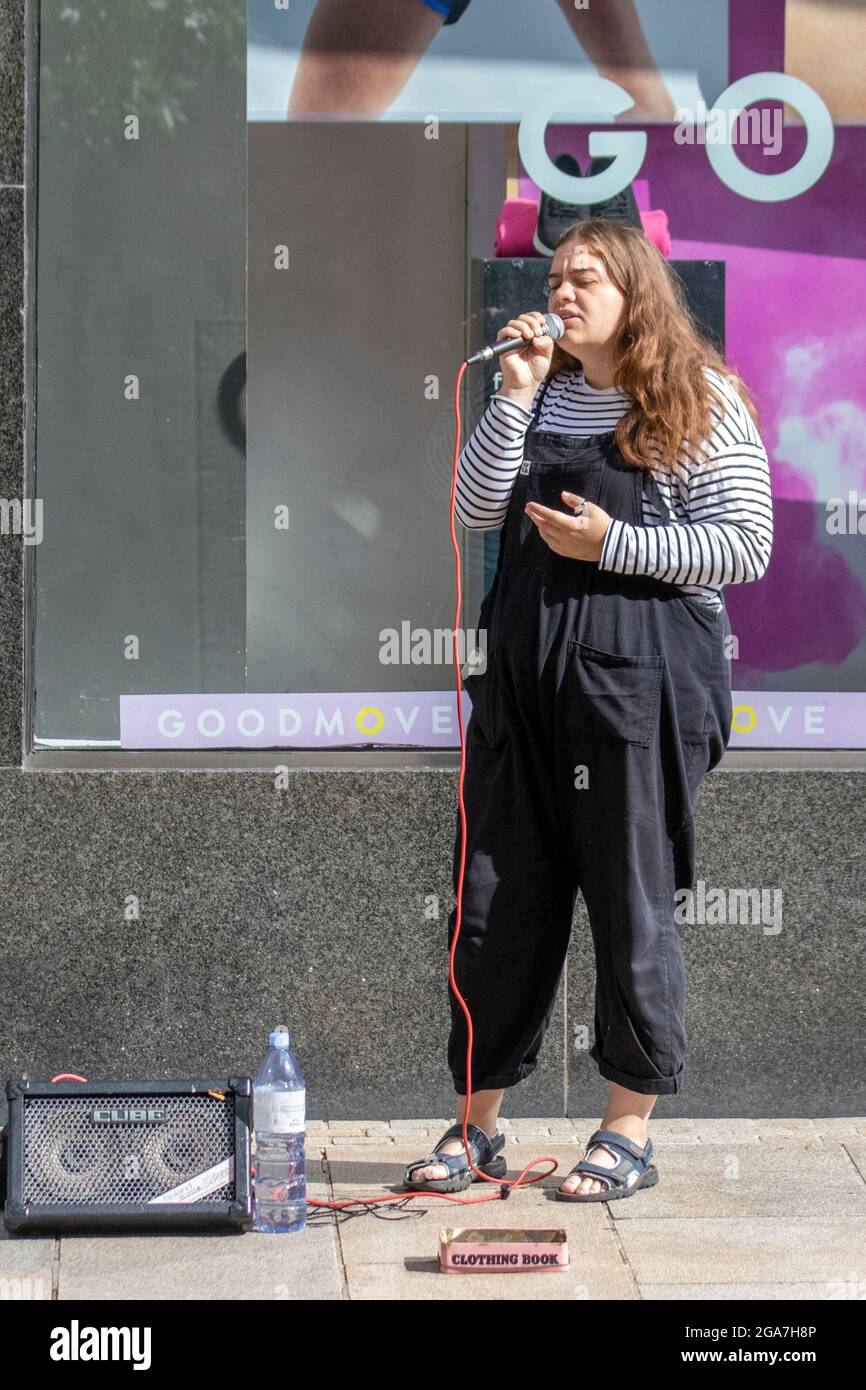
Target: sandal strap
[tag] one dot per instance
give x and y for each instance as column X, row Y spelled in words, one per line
column 455, row 1163
column 624, row 1173
column 483, row 1149
column 620, row 1142
column 586, row 1169
column 600, row 1169
column 633, row 1161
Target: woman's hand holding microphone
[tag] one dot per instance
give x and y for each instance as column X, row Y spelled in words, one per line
column 579, row 537
column 524, row 371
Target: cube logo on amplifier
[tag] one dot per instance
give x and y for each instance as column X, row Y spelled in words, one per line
column 129, row 1115
column 98, row 1155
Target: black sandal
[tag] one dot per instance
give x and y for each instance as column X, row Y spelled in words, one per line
column 633, row 1170
column 484, row 1151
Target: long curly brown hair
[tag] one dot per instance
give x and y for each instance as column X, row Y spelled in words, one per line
column 659, row 352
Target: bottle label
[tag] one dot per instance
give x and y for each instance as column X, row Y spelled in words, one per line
column 279, row 1112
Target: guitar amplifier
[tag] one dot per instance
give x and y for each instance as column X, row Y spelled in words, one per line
column 128, row 1154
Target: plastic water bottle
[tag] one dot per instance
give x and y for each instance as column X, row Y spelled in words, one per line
column 280, row 1201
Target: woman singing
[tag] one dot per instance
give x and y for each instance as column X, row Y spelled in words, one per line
column 606, row 694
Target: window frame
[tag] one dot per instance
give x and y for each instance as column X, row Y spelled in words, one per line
column 98, row 758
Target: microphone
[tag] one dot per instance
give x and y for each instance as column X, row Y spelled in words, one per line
column 553, row 328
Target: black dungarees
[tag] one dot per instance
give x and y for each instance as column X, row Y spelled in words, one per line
column 604, row 700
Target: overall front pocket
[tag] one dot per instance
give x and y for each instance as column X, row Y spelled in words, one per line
column 610, row 694
column 524, row 544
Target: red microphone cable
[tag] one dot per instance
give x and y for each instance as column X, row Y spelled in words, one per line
column 503, row 1185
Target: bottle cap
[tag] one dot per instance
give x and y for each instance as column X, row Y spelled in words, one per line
column 279, row 1038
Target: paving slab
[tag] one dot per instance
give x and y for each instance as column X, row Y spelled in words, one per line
column 723, row 1131
column 26, row 1267
column 24, row 1252
column 423, row 1280
column 842, row 1128
column 25, row 1284
column 790, row 1128
column 351, row 1140
column 855, row 1150
column 300, row 1265
column 783, row 1179
column 749, row 1293
column 684, row 1250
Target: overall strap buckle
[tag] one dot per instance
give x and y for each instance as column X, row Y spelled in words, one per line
column 533, row 428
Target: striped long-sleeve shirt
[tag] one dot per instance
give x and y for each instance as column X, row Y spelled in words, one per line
column 717, row 523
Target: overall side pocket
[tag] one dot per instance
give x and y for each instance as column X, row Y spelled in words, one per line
column 482, row 687
column 611, row 694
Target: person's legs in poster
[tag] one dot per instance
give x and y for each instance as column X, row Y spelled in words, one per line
column 612, row 38
column 358, row 55
column 357, row 58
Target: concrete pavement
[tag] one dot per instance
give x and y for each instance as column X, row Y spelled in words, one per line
column 744, row 1209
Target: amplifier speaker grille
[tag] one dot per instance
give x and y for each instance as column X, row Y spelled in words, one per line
column 68, row 1156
